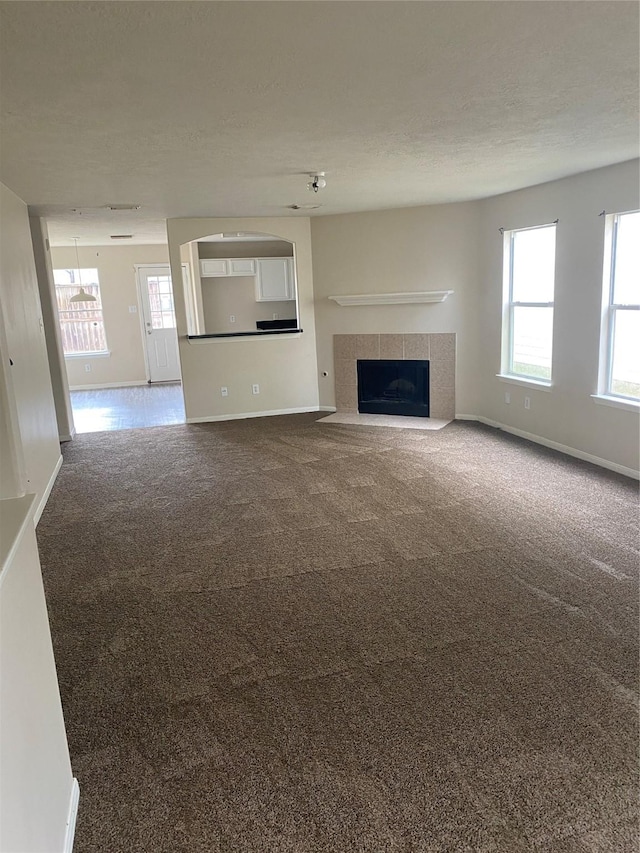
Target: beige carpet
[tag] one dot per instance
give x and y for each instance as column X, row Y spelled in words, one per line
column 279, row 635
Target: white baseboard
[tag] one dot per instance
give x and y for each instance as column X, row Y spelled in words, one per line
column 243, row 415
column 108, row 385
column 71, row 819
column 45, row 496
column 327, row 408
column 554, row 445
column 69, row 437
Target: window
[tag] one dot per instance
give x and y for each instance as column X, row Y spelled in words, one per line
column 161, row 302
column 619, row 348
column 529, row 276
column 81, row 323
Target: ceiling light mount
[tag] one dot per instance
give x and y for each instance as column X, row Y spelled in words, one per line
column 317, row 182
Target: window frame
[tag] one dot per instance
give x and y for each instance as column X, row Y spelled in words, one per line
column 507, row 371
column 610, row 310
column 81, row 283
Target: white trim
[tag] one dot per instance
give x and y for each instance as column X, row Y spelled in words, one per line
column 528, row 383
column 412, row 298
column 141, row 315
column 45, row 495
column 554, row 445
column 616, row 402
column 109, row 385
column 69, row 437
column 103, row 353
column 327, row 409
column 17, row 515
column 242, row 415
column 72, row 817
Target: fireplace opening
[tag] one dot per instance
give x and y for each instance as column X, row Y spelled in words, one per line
column 393, row 387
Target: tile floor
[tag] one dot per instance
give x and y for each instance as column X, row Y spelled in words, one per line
column 401, row 422
column 128, row 408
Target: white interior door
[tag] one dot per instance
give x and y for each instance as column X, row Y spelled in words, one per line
column 159, row 320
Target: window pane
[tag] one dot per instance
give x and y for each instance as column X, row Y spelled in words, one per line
column 626, row 278
column 80, row 335
column 81, row 323
column 76, row 277
column 532, row 338
column 534, row 261
column 625, row 373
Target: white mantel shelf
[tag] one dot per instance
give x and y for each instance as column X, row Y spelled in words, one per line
column 391, row 298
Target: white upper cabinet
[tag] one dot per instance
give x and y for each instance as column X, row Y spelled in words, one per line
column 275, row 277
column 214, row 266
column 242, row 266
column 275, row 280
column 227, row 266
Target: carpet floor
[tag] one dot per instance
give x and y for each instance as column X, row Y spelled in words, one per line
column 283, row 636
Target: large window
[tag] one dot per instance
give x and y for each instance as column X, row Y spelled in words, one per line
column 81, row 322
column 529, row 277
column 620, row 345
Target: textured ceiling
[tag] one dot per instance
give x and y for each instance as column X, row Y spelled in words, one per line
column 220, row 108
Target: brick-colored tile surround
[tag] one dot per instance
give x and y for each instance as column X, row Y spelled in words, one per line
column 438, row 349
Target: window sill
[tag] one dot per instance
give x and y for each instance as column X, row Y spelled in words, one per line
column 104, row 354
column 616, row 402
column 527, row 383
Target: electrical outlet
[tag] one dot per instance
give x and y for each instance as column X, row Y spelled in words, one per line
column 255, row 389
column 507, row 397
column 224, row 391
column 527, row 402
column 133, row 309
column 232, row 318
column 275, row 317
column 87, row 368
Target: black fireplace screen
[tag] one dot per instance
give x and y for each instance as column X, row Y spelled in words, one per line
column 393, row 387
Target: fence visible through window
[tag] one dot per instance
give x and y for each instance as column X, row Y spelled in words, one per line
column 81, row 323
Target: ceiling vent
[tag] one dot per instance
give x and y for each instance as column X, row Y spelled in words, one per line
column 121, row 236
column 123, row 207
column 303, row 206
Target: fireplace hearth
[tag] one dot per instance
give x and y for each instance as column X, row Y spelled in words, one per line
column 393, row 387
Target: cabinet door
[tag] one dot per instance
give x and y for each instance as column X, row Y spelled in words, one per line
column 214, row 266
column 242, row 266
column 274, row 280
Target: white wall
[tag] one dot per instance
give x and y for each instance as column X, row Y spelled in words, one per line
column 36, row 784
column 284, row 366
column 566, row 414
column 49, row 305
column 118, row 289
column 411, row 249
column 34, row 434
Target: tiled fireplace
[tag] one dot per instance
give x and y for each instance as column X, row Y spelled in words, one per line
column 438, row 349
